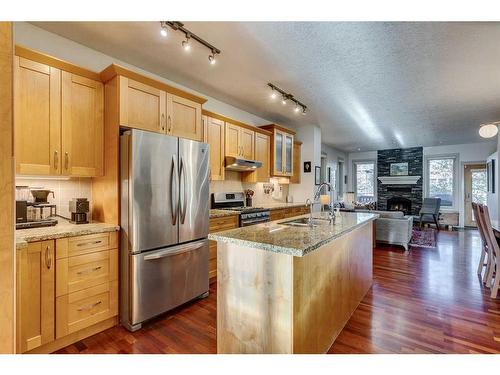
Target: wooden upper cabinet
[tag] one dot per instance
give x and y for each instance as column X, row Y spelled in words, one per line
column 295, row 179
column 282, row 150
column 184, row 118
column 232, row 145
column 58, row 116
column 141, row 106
column 247, row 139
column 215, row 138
column 239, row 141
column 262, row 154
column 35, row 295
column 82, row 126
column 37, row 117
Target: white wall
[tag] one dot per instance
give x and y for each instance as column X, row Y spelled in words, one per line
column 310, row 151
column 492, row 199
column 28, row 35
column 332, row 157
column 470, row 152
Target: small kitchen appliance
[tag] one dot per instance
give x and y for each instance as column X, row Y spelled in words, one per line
column 32, row 208
column 79, row 209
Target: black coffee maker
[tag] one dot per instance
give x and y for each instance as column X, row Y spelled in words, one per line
column 79, row 208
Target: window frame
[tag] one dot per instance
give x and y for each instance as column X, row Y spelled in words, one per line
column 355, row 176
column 456, row 162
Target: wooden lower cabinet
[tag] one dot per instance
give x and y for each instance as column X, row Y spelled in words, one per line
column 65, row 287
column 218, row 224
column 35, row 295
column 285, row 213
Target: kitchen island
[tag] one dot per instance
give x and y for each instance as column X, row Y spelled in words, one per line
column 291, row 289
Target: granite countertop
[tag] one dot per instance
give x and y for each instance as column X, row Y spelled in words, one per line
column 292, row 240
column 63, row 229
column 221, row 213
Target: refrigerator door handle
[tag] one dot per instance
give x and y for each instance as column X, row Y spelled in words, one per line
column 173, row 203
column 175, row 251
column 182, row 176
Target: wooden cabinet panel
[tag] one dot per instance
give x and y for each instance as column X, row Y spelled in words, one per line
column 37, row 117
column 282, row 150
column 73, row 246
column 246, row 141
column 215, row 138
column 35, row 295
column 216, row 225
column 232, row 146
column 295, row 178
column 141, row 106
column 184, row 118
column 82, row 126
column 262, row 154
column 78, row 310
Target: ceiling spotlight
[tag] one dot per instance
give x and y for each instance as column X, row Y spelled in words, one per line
column 211, row 58
column 273, row 93
column 296, row 109
column 488, row 130
column 283, row 100
column 163, row 30
column 286, row 97
column 304, row 111
column 185, row 44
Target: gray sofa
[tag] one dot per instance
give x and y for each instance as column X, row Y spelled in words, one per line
column 393, row 227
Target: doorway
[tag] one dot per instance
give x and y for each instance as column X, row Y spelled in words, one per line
column 475, row 190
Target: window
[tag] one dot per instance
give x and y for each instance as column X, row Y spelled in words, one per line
column 364, row 180
column 441, row 179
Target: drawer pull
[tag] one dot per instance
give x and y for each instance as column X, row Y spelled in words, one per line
column 89, row 307
column 48, row 258
column 89, row 243
column 87, row 271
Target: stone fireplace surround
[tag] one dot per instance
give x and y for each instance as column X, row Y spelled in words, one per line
column 412, row 192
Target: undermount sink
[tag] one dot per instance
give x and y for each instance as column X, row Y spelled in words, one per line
column 304, row 222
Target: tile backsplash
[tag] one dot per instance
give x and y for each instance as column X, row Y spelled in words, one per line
column 64, row 190
column 233, row 182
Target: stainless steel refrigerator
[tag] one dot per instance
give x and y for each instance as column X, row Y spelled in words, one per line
column 164, row 221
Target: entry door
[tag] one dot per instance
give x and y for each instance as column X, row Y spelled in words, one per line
column 475, row 190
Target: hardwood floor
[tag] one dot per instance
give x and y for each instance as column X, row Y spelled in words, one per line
column 423, row 301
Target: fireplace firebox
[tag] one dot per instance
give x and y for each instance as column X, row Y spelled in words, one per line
column 399, row 204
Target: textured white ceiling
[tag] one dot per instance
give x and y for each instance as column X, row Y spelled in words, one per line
column 368, row 85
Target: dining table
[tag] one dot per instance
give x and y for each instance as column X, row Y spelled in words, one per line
column 495, row 224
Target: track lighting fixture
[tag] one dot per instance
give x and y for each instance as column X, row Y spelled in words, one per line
column 186, row 44
column 211, row 58
column 163, row 30
column 285, row 97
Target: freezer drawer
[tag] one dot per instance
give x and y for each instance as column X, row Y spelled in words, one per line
column 166, row 278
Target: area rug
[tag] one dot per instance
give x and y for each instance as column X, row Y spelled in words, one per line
column 423, row 238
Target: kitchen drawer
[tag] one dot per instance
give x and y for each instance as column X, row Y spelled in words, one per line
column 85, row 271
column 75, row 311
column 223, row 223
column 73, row 246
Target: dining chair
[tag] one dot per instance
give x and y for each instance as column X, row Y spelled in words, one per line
column 493, row 252
column 485, row 258
column 430, row 208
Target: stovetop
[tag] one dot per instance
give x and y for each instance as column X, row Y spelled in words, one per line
column 245, row 209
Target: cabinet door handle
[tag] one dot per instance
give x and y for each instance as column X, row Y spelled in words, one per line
column 89, row 243
column 66, row 160
column 169, row 126
column 56, row 160
column 162, row 122
column 89, row 307
column 84, row 272
column 48, row 258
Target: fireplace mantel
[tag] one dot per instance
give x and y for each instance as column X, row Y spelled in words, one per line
column 399, row 180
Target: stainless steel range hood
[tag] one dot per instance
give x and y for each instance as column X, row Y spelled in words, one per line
column 241, row 165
